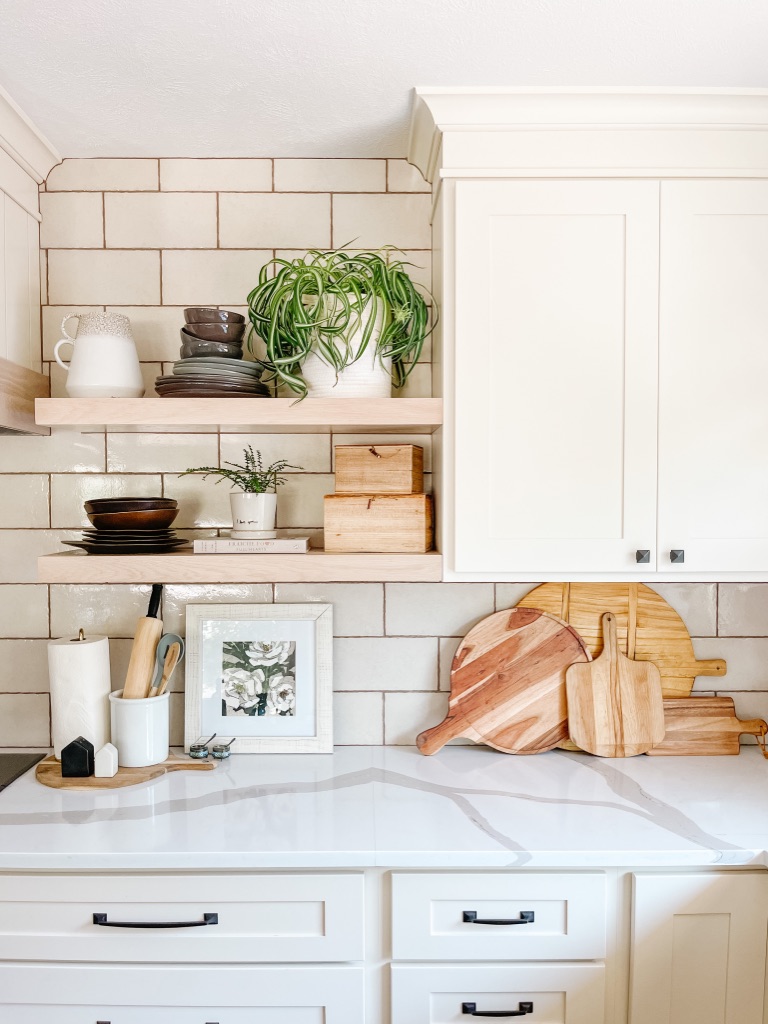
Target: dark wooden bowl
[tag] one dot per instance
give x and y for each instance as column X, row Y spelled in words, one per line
column 129, row 504
column 146, row 519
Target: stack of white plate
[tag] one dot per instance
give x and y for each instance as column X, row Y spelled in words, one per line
column 213, row 377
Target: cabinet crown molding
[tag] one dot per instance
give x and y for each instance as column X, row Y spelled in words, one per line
column 462, row 129
column 23, row 142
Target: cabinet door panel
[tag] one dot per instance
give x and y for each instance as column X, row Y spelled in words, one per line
column 555, row 416
column 698, row 948
column 713, row 376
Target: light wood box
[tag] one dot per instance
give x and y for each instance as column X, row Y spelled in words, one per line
column 379, row 469
column 378, row 522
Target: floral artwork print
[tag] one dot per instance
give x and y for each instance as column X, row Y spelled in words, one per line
column 258, row 677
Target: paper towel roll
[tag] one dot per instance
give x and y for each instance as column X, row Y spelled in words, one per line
column 80, row 685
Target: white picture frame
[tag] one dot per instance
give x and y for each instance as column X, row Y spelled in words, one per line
column 261, row 673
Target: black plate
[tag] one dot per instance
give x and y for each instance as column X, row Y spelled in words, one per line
column 126, row 549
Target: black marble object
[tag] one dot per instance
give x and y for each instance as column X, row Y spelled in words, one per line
column 77, row 759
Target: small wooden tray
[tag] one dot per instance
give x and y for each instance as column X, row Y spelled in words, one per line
column 48, row 772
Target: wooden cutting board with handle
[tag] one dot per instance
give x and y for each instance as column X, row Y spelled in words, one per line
column 508, row 684
column 705, row 726
column 615, row 707
column 48, row 772
column 648, row 628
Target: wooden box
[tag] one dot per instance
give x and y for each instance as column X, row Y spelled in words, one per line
column 378, row 522
column 379, row 469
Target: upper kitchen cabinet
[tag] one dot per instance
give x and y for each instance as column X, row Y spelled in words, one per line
column 601, row 262
column 25, row 160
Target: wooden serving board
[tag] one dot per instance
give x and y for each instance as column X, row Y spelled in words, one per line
column 648, row 628
column 508, row 684
column 705, row 726
column 48, row 772
column 615, row 707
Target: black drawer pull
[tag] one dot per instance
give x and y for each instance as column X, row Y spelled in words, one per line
column 472, row 1010
column 101, row 919
column 470, row 917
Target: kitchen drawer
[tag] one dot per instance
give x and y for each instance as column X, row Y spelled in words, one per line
column 58, row 994
column 430, row 916
column 255, row 918
column 560, row 993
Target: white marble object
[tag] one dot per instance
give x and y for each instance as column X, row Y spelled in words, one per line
column 105, row 762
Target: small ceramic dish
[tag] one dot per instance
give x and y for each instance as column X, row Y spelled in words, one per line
column 232, row 334
column 208, row 315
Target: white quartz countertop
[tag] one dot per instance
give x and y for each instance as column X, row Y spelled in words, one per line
column 390, row 806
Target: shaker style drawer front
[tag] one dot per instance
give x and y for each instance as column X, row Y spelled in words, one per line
column 249, row 918
column 498, row 916
column 536, row 993
column 58, row 994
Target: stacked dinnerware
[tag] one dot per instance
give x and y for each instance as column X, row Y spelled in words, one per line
column 212, row 332
column 125, row 526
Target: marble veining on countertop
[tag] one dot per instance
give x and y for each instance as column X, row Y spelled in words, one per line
column 390, row 806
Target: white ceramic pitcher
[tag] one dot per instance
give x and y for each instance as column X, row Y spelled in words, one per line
column 104, row 362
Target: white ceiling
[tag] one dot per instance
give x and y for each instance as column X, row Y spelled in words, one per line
column 333, row 77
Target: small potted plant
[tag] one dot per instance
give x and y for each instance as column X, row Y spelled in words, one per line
column 340, row 324
column 254, row 504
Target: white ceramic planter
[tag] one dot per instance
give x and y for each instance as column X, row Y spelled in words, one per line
column 253, row 515
column 367, row 377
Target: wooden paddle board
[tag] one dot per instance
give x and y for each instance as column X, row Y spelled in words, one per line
column 508, row 684
column 48, row 772
column 706, row 727
column 614, row 704
column 648, row 628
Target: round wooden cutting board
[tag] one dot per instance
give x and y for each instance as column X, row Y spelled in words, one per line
column 508, row 684
column 648, row 628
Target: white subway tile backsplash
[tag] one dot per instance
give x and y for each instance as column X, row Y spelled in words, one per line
column 358, row 719
column 202, row 503
column 274, row 221
column 509, row 594
column 160, row 220
column 111, row 611
column 24, row 501
column 120, row 277
column 330, row 176
column 436, row 609
column 20, row 549
column 404, row 177
column 177, row 597
column 358, row 608
column 385, row 663
column 25, row 720
column 408, row 714
column 419, row 382
column 312, row 452
column 69, row 491
column 23, row 611
column 160, row 453
column 747, row 662
column 99, row 175
column 367, row 222
column 71, row 220
column 300, row 501
column 743, row 609
column 23, row 666
column 216, row 175
column 43, row 276
column 155, row 330
column 211, row 277
column 448, row 648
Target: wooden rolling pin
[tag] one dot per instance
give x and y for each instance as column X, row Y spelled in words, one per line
column 141, row 667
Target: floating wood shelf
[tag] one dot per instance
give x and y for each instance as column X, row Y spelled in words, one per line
column 313, row 567
column 276, row 415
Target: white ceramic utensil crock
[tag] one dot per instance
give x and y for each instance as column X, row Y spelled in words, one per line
column 104, row 362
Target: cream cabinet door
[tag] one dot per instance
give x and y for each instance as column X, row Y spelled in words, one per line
column 698, row 948
column 713, row 376
column 555, row 376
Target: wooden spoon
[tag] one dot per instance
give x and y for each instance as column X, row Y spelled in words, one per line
column 171, row 661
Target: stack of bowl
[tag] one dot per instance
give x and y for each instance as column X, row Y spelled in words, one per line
column 125, row 526
column 212, row 332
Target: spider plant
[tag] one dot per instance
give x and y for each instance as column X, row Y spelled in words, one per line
column 251, row 477
column 336, row 304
